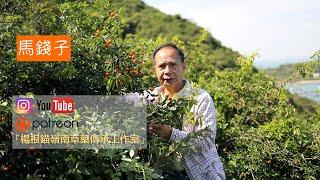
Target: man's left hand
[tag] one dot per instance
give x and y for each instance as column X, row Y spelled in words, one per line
column 163, row 131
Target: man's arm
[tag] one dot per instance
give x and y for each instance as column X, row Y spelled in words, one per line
column 205, row 111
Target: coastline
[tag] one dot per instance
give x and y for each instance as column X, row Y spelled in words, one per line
column 307, row 81
column 306, row 88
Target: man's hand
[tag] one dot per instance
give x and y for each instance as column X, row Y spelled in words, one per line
column 163, row 131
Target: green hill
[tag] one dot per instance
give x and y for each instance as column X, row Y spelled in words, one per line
column 150, row 23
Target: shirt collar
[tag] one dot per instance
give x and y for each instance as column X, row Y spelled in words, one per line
column 185, row 91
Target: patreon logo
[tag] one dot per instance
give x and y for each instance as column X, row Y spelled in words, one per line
column 22, row 124
column 23, row 105
column 62, row 105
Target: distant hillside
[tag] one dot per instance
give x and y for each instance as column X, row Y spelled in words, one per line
column 281, row 73
column 150, row 22
column 284, row 71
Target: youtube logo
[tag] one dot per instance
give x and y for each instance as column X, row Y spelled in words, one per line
column 62, row 105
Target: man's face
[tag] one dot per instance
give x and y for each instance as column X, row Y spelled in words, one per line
column 169, row 68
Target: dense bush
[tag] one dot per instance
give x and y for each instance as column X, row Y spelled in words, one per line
column 260, row 135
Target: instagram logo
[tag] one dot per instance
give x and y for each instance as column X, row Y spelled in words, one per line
column 23, row 105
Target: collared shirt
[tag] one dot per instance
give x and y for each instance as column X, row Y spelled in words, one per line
column 205, row 164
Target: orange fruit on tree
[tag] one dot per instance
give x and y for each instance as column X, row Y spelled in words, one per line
column 108, row 43
column 97, row 33
column 132, row 55
column 107, row 74
column 113, row 14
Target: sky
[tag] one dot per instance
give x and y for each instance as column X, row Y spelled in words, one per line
column 281, row 31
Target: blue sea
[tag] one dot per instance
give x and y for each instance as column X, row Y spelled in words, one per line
column 308, row 90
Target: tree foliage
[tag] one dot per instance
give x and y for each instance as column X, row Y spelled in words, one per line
column 260, row 134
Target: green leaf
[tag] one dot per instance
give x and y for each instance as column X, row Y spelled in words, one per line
column 4, row 103
column 177, row 165
column 131, row 153
column 126, row 159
